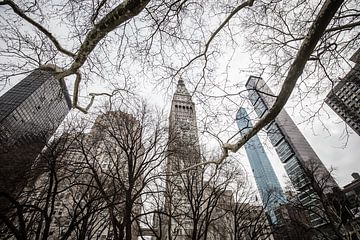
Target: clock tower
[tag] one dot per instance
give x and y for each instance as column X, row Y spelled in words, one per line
column 183, row 152
column 184, row 149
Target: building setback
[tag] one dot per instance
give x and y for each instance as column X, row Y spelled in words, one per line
column 30, row 112
column 352, row 193
column 302, row 165
column 266, row 181
column 344, row 98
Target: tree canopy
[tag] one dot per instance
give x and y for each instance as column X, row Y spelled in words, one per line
column 293, row 44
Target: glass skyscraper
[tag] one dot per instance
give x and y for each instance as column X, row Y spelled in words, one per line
column 266, row 181
column 30, row 112
column 304, row 168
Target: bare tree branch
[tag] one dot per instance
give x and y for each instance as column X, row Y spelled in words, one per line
column 248, row 3
column 21, row 14
column 120, row 14
column 314, row 34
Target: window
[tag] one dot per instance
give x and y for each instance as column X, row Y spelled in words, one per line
column 253, row 96
column 284, row 151
column 291, row 162
column 274, row 134
column 260, row 107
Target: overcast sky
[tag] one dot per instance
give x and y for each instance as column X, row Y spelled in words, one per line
column 335, row 143
column 334, row 148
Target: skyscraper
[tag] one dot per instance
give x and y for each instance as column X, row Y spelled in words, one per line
column 304, row 168
column 266, row 181
column 30, row 112
column 184, row 151
column 344, row 98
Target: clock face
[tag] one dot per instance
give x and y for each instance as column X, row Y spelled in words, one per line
column 185, row 125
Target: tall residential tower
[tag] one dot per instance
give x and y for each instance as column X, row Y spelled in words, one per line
column 266, row 181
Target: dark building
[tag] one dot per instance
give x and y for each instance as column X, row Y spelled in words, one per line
column 304, row 168
column 30, row 112
column 291, row 222
column 344, row 98
column 352, row 193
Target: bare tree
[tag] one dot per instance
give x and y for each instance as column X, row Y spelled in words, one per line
column 250, row 220
column 93, row 182
column 121, row 153
column 152, row 219
column 151, row 33
column 213, row 203
column 282, row 32
column 207, row 193
column 29, row 215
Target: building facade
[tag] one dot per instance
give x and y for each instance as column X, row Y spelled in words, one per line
column 183, row 151
column 30, row 112
column 306, row 171
column 291, row 222
column 344, row 98
column 184, row 146
column 196, row 206
column 266, row 181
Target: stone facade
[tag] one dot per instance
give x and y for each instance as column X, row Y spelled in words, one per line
column 96, row 181
column 195, row 208
column 183, row 151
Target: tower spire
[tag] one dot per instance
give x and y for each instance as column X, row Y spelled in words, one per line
column 181, row 81
column 184, row 152
column 181, row 92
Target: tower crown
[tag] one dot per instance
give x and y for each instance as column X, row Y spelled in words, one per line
column 181, row 93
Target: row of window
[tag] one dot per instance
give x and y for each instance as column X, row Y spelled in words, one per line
column 183, row 107
column 348, row 94
column 284, row 151
column 258, row 103
column 350, row 113
column 260, row 107
column 28, row 120
column 274, row 133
